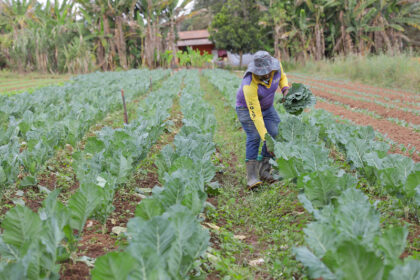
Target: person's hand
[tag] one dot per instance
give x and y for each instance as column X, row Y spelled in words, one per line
column 285, row 92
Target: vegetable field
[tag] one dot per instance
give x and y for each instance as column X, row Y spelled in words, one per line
column 86, row 196
column 394, row 113
column 11, row 83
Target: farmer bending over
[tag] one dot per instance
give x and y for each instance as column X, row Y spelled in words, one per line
column 254, row 106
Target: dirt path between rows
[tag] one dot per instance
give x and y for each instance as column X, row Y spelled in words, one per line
column 396, row 133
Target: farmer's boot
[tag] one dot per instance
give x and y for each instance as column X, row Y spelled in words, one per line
column 265, row 168
column 252, row 174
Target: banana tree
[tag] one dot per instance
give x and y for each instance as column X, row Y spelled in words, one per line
column 14, row 18
column 276, row 17
column 55, row 29
column 393, row 18
column 316, row 9
column 173, row 13
column 97, row 13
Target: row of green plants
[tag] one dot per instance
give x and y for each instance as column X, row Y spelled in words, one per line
column 359, row 144
column 34, row 125
column 165, row 237
column 32, row 245
column 415, row 112
column 385, row 96
column 396, row 121
column 392, row 174
column 226, row 82
column 347, row 239
column 347, row 235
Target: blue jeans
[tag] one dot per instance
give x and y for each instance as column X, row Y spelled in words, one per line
column 253, row 139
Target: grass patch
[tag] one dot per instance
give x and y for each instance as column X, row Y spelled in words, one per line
column 12, row 83
column 399, row 72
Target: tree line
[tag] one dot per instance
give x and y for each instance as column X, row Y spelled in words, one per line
column 79, row 36
column 317, row 29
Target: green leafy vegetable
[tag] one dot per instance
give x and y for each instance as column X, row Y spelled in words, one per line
column 298, row 98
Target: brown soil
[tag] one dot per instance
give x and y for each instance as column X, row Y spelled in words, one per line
column 373, row 98
column 94, row 243
column 79, row 270
column 395, row 94
column 396, row 133
column 384, row 112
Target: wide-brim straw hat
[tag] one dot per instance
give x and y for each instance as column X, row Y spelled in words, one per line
column 262, row 64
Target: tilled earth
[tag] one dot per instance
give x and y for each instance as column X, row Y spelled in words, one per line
column 386, row 103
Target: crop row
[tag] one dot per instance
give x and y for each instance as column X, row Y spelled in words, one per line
column 33, row 244
column 396, row 121
column 225, row 82
column 33, row 126
column 366, row 88
column 357, row 143
column 165, row 237
column 370, row 96
column 347, row 235
column 320, row 90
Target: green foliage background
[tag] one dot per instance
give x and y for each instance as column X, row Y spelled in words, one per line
column 79, row 36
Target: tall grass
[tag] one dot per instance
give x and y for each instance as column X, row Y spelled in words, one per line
column 399, row 72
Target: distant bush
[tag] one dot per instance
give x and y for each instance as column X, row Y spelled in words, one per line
column 193, row 58
column 400, row 71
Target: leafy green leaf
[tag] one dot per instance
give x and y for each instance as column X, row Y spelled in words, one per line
column 156, row 233
column 355, row 262
column 21, row 226
column 94, row 145
column 392, row 243
column 148, row 208
column 320, row 238
column 83, row 203
column 356, row 218
column 356, row 149
column 410, row 270
column 316, row 268
column 413, row 180
column 28, row 181
column 289, row 168
column 113, row 266
column 270, row 142
column 298, row 98
column 321, row 187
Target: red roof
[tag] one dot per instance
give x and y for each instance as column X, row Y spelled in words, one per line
column 194, row 34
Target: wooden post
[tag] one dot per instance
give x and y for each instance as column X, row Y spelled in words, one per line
column 125, row 108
